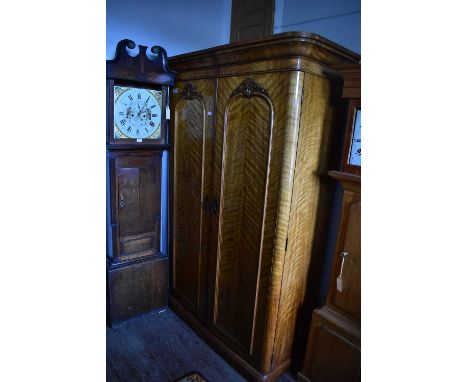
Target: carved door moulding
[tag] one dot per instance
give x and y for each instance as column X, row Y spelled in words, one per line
column 190, row 92
column 248, row 88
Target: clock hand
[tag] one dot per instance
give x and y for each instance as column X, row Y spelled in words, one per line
column 143, row 108
column 146, row 102
column 139, row 110
column 129, row 111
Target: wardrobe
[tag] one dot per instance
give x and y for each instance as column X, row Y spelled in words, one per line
column 252, row 127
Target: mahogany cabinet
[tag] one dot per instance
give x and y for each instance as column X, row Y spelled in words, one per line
column 334, row 345
column 252, row 122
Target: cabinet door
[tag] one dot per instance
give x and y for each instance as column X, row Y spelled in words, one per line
column 347, row 297
column 191, row 161
column 136, row 204
column 249, row 143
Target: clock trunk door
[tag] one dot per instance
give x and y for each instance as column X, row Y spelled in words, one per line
column 129, row 200
column 138, row 205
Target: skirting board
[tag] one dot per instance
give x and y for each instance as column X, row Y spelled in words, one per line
column 244, row 368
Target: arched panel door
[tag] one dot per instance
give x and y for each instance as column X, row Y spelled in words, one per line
column 191, row 163
column 247, row 171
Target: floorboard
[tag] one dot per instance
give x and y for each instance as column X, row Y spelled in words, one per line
column 160, row 347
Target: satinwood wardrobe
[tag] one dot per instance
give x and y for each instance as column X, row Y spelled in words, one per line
column 252, row 129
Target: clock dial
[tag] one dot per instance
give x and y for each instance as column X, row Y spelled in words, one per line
column 137, row 113
column 355, row 152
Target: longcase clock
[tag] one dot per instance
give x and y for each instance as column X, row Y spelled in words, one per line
column 137, row 125
column 334, row 345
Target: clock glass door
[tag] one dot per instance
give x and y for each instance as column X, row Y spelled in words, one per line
column 355, row 151
column 137, row 113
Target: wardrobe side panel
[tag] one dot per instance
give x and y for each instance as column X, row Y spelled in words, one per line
column 308, row 208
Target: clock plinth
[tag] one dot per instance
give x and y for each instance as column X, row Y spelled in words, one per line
column 137, row 145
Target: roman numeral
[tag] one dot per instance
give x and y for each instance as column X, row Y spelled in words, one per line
column 122, row 122
column 129, row 129
column 121, row 113
column 147, row 100
column 146, row 129
column 138, row 132
column 130, row 96
column 139, row 96
column 153, row 106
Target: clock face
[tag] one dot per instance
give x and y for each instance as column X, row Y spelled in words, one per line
column 137, row 113
column 355, row 152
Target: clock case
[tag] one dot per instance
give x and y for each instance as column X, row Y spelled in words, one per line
column 139, row 71
column 351, row 94
column 137, row 270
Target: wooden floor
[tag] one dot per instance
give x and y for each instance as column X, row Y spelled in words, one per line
column 160, row 347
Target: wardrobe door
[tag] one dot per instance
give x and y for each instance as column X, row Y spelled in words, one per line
column 249, row 143
column 191, row 168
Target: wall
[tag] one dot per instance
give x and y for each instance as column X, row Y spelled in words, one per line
column 179, row 26
column 183, row 26
column 337, row 20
